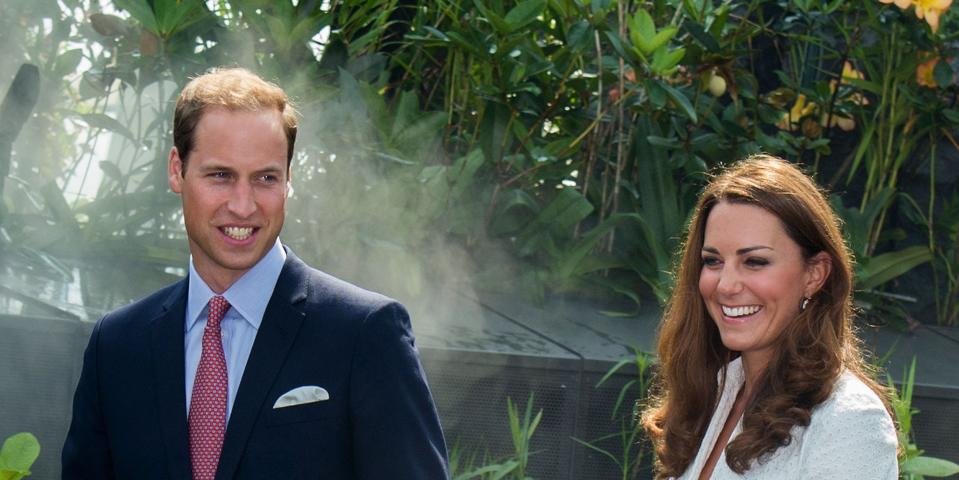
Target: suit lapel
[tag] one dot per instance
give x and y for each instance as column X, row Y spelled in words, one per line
column 169, row 365
column 278, row 330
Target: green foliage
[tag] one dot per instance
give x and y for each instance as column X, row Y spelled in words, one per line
column 913, row 465
column 522, row 427
column 17, row 455
column 567, row 138
column 627, row 449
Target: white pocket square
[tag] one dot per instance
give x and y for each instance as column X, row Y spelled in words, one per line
column 301, row 395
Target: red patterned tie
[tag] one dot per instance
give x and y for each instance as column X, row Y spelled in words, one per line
column 208, row 400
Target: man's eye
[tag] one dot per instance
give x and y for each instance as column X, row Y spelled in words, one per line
column 268, row 179
column 219, row 175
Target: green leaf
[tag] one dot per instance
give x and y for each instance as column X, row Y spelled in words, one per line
column 703, row 37
column 513, row 212
column 598, row 450
column 657, row 94
column 571, row 259
column 477, row 49
column 664, row 142
column 871, row 87
column 173, row 16
column 680, row 99
column 68, row 61
column 420, row 132
column 499, row 469
column 665, row 60
column 943, row 74
column 883, row 268
column 599, row 7
column 463, row 172
column 141, row 11
column 663, row 36
column 111, row 170
column 642, row 24
column 496, row 20
column 407, row 109
column 524, row 13
column 617, row 44
column 568, row 207
column 859, row 223
column 577, row 39
column 19, row 451
column 106, row 122
column 641, row 31
column 110, row 26
column 438, row 34
column 929, row 467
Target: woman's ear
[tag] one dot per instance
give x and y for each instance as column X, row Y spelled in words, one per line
column 818, row 269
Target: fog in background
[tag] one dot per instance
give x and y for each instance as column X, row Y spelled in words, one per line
column 89, row 223
column 356, row 210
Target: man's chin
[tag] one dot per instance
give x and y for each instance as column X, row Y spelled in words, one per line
column 231, row 265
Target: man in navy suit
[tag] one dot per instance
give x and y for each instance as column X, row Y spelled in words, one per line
column 256, row 365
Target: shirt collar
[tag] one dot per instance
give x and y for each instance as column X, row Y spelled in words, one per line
column 248, row 296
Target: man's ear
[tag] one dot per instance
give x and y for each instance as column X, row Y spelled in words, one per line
column 175, row 170
column 818, row 269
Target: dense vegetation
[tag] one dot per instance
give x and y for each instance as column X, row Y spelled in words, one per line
column 537, row 145
column 534, row 146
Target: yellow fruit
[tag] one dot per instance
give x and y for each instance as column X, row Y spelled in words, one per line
column 716, row 85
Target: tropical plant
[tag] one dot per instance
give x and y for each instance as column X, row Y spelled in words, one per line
column 577, row 134
column 522, row 427
column 628, row 449
column 913, row 465
column 17, row 455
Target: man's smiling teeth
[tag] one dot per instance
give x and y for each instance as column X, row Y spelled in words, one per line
column 238, row 233
column 741, row 311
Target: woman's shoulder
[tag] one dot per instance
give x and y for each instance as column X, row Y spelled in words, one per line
column 851, row 433
column 853, row 406
column 853, row 420
column 849, row 396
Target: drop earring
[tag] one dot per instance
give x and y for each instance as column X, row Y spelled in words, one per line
column 803, row 304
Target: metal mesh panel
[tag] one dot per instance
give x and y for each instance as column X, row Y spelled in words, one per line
column 471, row 399
column 936, row 427
column 597, row 422
column 41, row 367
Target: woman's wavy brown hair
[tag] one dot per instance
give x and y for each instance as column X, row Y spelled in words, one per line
column 812, row 350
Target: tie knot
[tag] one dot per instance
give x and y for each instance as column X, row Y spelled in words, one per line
column 218, row 308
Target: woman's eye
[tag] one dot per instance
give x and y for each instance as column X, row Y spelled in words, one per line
column 711, row 261
column 757, row 262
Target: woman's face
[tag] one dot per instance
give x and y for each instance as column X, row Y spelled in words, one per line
column 753, row 277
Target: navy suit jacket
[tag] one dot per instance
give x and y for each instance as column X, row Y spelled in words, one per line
column 129, row 410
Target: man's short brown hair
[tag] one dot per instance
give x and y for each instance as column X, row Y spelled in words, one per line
column 234, row 89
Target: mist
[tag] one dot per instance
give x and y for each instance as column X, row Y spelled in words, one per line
column 89, row 223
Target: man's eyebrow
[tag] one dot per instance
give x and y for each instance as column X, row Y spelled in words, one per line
column 741, row 251
column 215, row 166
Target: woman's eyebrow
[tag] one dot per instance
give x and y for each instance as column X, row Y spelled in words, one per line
column 741, row 251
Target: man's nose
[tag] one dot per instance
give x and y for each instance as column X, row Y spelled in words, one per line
column 242, row 202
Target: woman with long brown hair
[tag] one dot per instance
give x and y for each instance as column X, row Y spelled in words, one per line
column 760, row 374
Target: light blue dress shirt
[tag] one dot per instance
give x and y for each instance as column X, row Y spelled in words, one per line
column 248, row 298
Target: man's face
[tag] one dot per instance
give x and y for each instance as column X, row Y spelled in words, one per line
column 234, row 191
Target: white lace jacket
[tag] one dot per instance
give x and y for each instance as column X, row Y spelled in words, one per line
column 850, row 437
